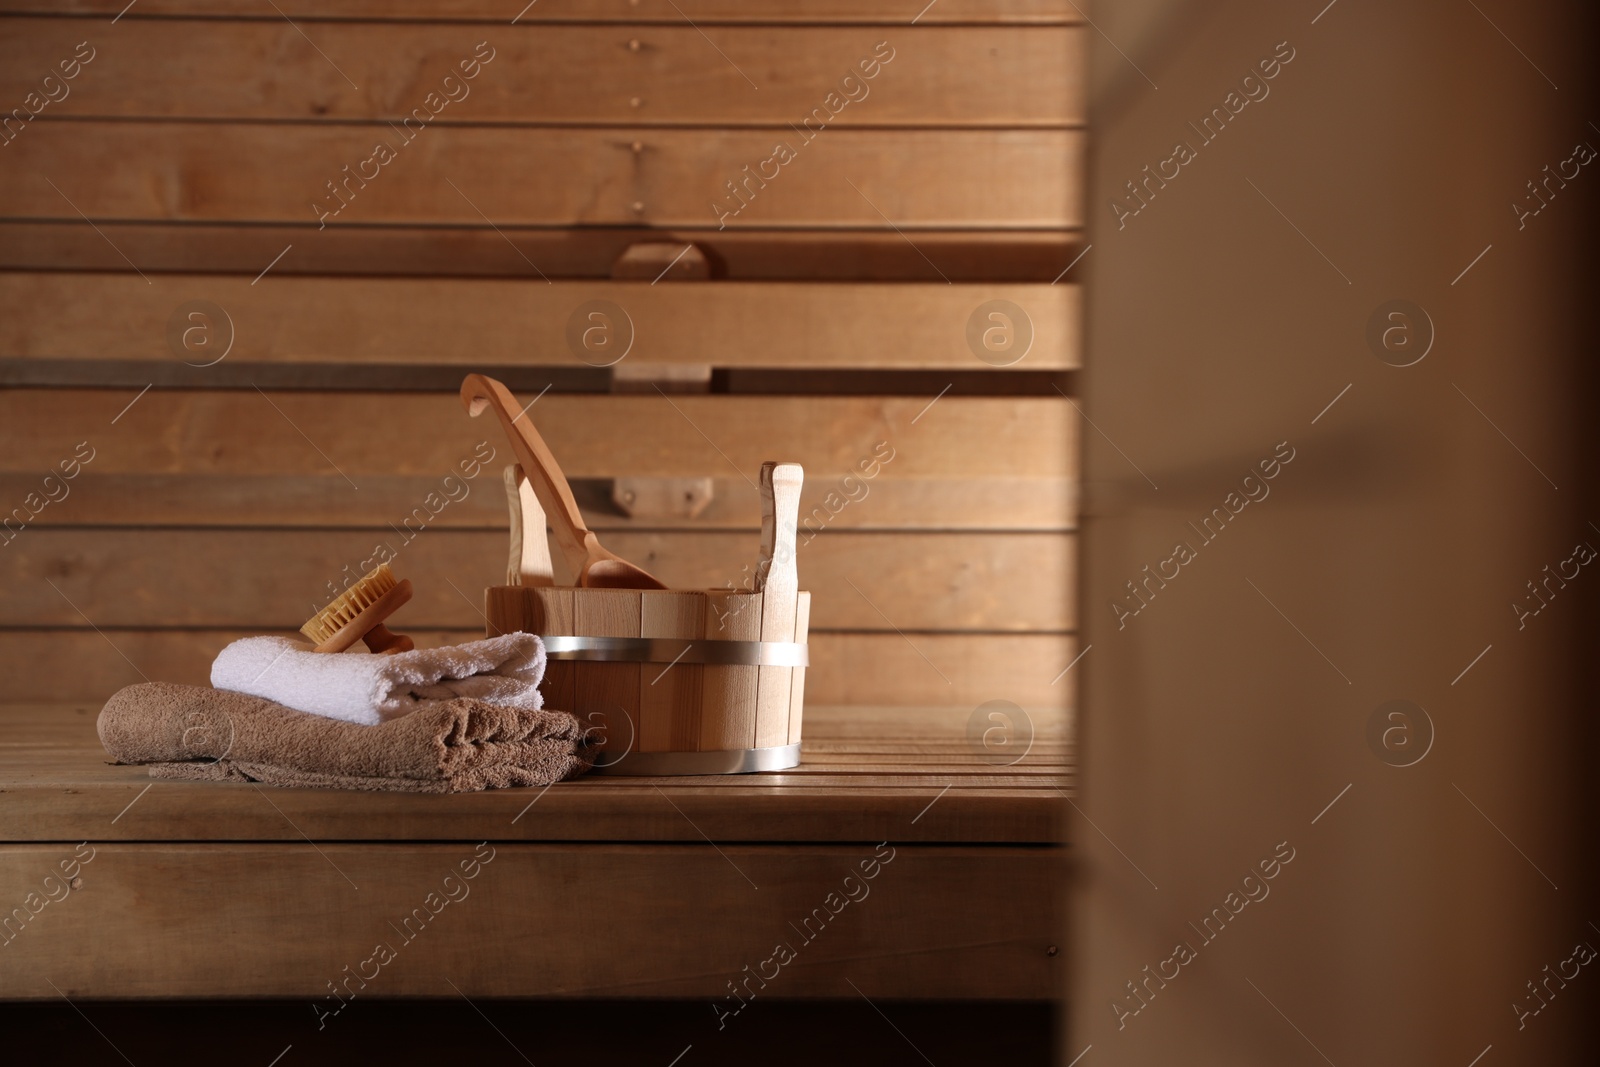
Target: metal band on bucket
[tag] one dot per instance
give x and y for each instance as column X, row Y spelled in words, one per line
column 677, row 650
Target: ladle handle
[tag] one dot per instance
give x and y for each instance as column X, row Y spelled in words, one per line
column 572, row 539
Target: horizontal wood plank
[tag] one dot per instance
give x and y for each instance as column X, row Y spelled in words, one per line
column 556, row 74
column 339, row 435
column 940, row 669
column 455, row 175
column 996, row 503
column 534, row 920
column 992, row 256
column 888, row 12
column 482, row 321
column 945, row 670
column 1012, row 582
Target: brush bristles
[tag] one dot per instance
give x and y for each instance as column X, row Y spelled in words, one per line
column 350, row 603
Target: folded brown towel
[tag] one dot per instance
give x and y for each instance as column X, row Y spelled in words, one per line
column 458, row 746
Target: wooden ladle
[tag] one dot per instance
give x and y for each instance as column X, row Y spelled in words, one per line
column 586, row 559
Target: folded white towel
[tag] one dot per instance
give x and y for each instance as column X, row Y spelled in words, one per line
column 370, row 689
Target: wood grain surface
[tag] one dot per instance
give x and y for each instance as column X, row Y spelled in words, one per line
column 487, row 322
column 866, row 774
column 559, row 74
column 459, row 175
column 543, row 920
column 881, row 12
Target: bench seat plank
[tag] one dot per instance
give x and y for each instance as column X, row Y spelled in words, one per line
column 869, row 774
column 603, row 887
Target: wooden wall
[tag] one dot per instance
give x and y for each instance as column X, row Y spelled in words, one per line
column 228, row 467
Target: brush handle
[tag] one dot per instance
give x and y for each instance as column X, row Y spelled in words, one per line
column 381, row 640
column 574, row 541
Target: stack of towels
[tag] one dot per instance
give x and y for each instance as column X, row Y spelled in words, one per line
column 445, row 720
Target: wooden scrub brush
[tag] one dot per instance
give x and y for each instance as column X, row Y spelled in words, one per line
column 357, row 614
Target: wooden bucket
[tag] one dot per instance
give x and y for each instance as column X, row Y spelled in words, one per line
column 669, row 681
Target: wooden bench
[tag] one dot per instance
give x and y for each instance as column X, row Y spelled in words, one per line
column 899, row 857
